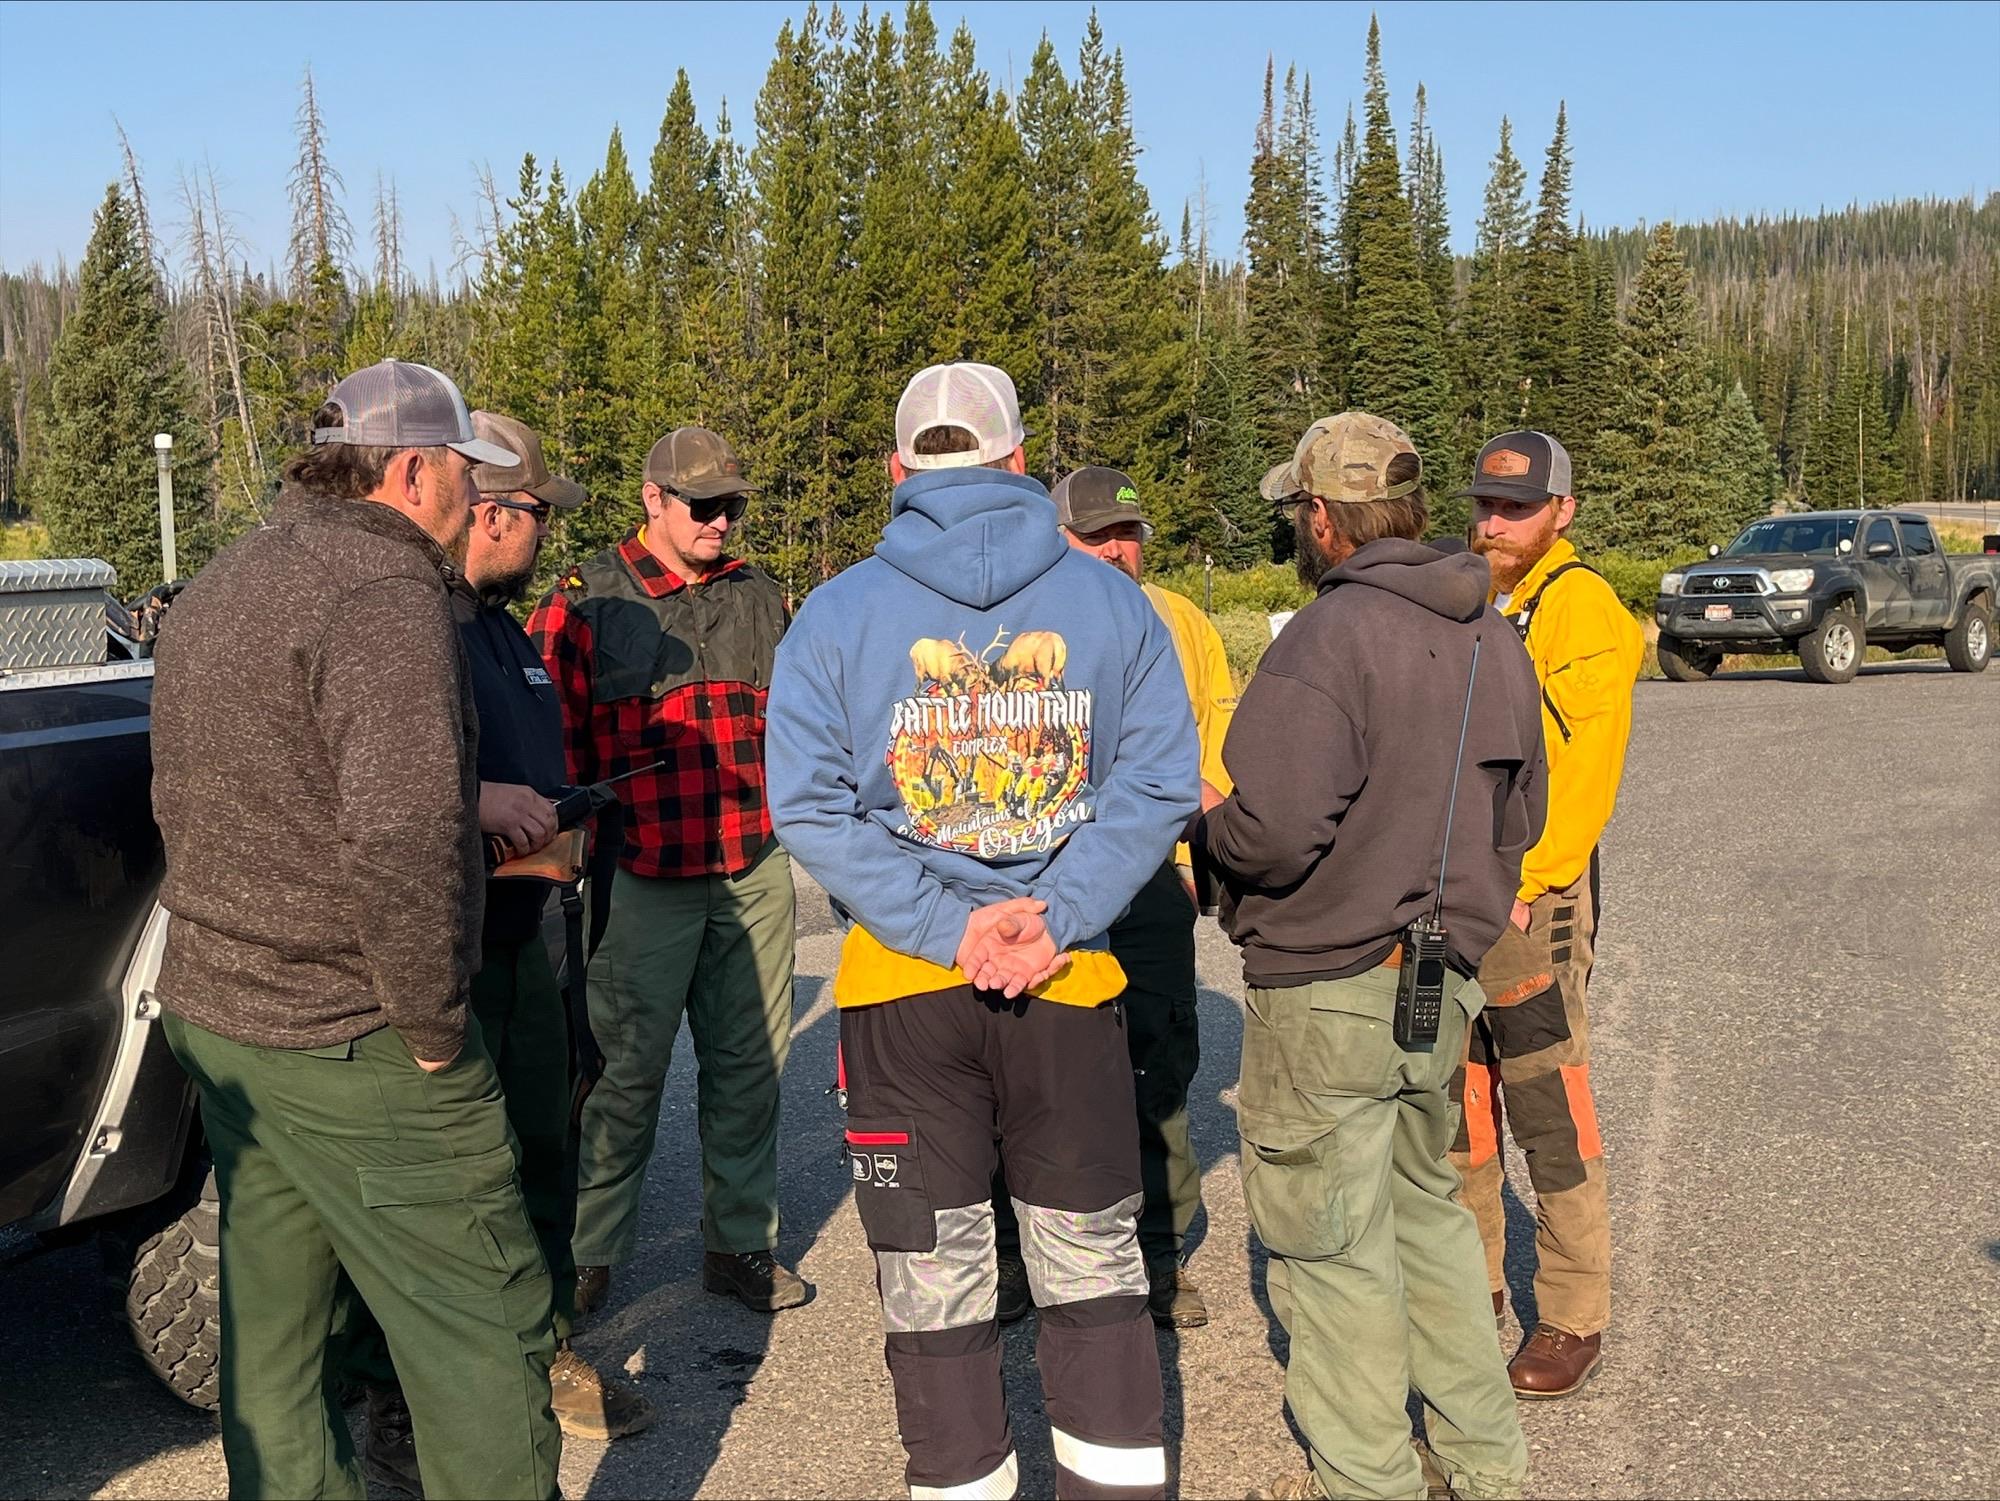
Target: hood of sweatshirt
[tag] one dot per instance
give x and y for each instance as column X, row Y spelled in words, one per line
column 1453, row 585
column 976, row 536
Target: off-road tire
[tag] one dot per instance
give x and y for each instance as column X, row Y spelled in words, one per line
column 1831, row 651
column 1968, row 646
column 173, row 1301
column 1682, row 663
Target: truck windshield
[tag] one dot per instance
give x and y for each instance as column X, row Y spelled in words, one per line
column 1805, row 534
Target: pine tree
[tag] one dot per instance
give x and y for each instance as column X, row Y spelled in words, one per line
column 1285, row 292
column 1430, row 215
column 1746, row 472
column 1489, row 374
column 679, row 234
column 1546, row 320
column 1056, row 143
column 1399, row 366
column 1594, row 367
column 113, row 384
column 1655, row 487
column 618, row 423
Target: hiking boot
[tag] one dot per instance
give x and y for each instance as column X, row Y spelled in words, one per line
column 588, row 1405
column 756, row 1279
column 593, row 1286
column 389, row 1453
column 1016, row 1297
column 1437, row 1485
column 1294, row 1487
column 1554, row 1363
column 1172, row 1297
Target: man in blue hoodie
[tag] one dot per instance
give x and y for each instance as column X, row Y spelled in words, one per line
column 980, row 745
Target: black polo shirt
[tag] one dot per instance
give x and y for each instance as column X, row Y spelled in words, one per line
column 520, row 739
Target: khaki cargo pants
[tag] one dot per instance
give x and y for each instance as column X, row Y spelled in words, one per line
column 1374, row 1266
column 1528, row 1068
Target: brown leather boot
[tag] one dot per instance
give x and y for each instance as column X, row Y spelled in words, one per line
column 1554, row 1362
column 1173, row 1299
column 593, row 1286
column 590, row 1405
column 756, row 1279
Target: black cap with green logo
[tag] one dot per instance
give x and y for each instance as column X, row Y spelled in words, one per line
column 1095, row 497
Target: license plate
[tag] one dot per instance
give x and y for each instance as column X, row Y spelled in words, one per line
column 1717, row 612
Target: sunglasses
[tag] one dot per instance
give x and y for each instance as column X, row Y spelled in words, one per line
column 541, row 510
column 730, row 507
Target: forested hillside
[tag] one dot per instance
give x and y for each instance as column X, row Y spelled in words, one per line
column 885, row 204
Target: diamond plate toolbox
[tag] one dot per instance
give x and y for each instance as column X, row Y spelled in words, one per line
column 52, row 613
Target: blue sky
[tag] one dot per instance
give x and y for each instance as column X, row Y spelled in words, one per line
column 1676, row 111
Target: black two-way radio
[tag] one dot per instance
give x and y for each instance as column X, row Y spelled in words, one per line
column 1420, row 981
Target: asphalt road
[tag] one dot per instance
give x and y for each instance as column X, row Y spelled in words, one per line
column 1794, row 1013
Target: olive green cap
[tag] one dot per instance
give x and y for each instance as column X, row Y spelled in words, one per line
column 697, row 464
column 1343, row 458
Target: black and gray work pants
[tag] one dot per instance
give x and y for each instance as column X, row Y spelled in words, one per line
column 942, row 1088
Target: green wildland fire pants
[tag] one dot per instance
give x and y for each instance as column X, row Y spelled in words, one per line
column 1154, row 944
column 717, row 950
column 351, row 1158
column 1528, row 1067
column 1375, row 1268
column 519, row 1008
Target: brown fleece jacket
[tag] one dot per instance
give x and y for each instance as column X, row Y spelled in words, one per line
column 315, row 778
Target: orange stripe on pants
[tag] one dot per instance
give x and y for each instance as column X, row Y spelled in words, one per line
column 1582, row 1109
column 1482, row 1114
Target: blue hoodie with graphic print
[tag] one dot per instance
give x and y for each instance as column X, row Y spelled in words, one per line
column 978, row 712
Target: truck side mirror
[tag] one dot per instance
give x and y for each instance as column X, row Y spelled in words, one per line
column 1715, row 549
column 1880, row 549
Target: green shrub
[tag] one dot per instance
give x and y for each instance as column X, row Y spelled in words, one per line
column 1636, row 580
column 23, row 539
column 1267, row 586
column 1245, row 634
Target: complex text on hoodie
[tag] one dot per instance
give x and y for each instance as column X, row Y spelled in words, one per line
column 991, row 753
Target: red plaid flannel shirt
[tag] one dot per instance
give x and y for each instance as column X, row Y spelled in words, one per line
column 706, row 812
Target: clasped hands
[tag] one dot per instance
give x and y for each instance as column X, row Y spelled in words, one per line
column 1007, row 947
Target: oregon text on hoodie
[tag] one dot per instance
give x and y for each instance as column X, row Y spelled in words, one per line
column 977, row 712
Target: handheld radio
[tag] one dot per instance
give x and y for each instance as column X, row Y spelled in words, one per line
column 1420, row 982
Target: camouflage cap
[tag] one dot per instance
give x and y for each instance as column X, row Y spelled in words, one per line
column 1344, row 458
column 697, row 464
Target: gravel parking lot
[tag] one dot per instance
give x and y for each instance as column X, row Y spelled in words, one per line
column 1794, row 1014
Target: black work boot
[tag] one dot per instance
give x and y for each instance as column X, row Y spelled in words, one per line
column 1016, row 1297
column 389, row 1454
column 756, row 1279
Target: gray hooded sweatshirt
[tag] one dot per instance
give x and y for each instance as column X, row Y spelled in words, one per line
column 1342, row 750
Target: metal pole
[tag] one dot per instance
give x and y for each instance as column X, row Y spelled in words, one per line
column 1208, row 583
column 163, row 451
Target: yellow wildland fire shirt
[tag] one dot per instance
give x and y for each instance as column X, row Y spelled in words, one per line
column 1586, row 648
column 870, row 972
column 1210, row 685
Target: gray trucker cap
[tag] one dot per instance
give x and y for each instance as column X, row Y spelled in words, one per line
column 397, row 404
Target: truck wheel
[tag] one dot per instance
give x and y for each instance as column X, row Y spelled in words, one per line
column 1831, row 652
column 173, row 1301
column 1682, row 663
column 1968, row 646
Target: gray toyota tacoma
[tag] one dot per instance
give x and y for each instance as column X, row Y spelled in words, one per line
column 98, row 1130
column 1825, row 586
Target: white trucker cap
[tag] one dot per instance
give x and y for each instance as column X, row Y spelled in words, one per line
column 396, row 404
column 978, row 398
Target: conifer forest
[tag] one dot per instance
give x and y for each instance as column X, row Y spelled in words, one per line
column 886, row 204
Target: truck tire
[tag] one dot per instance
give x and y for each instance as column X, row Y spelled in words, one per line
column 1968, row 646
column 173, row 1301
column 1831, row 651
column 1682, row 663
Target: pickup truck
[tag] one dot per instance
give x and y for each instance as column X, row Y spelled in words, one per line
column 98, row 1128
column 1826, row 585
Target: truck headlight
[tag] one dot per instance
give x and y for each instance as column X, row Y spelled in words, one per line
column 1671, row 584
column 1792, row 580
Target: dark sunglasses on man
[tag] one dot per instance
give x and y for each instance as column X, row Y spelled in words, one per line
column 541, row 510
column 731, row 507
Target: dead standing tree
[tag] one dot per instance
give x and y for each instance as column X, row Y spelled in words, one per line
column 322, row 245
column 209, row 244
